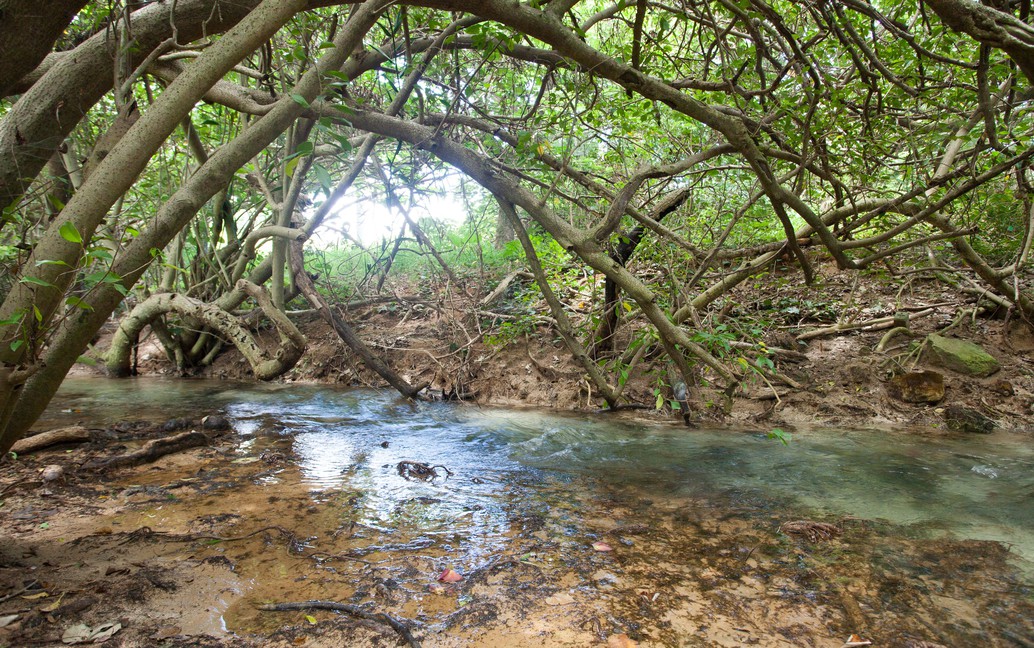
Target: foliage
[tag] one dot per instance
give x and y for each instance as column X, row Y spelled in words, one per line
column 779, row 435
column 741, row 132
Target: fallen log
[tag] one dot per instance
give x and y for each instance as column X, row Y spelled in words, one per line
column 151, row 451
column 72, row 434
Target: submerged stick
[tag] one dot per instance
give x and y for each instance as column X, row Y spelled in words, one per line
column 380, row 617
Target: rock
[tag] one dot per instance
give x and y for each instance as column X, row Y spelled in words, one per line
column 1003, row 388
column 967, row 419
column 917, row 387
column 962, row 356
column 52, row 473
column 215, row 422
column 856, row 372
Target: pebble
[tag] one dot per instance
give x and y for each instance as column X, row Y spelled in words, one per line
column 52, row 473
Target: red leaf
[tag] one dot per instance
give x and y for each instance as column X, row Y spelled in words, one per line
column 449, row 576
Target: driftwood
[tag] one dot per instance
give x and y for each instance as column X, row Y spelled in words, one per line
column 356, row 611
column 73, row 434
column 151, row 451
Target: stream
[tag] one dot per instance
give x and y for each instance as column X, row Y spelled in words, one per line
column 339, row 485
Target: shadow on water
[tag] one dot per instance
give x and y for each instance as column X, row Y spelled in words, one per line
column 360, row 521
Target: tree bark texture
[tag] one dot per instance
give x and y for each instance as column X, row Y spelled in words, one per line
column 992, row 27
column 28, row 29
column 265, row 365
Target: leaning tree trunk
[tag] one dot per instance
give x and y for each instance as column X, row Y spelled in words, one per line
column 70, row 83
column 264, row 364
column 46, row 274
column 344, row 331
column 26, row 391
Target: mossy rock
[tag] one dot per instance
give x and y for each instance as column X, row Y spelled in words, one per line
column 967, row 419
column 961, row 356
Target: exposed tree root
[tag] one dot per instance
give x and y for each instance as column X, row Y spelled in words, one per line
column 397, row 625
column 266, row 365
column 877, row 324
column 151, row 451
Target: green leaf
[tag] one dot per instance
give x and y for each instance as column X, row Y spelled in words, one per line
column 323, row 176
column 70, row 233
column 78, row 303
column 59, row 262
column 343, row 142
column 37, row 282
column 17, row 344
column 290, row 166
column 300, row 100
column 305, row 148
column 99, row 253
column 783, row 437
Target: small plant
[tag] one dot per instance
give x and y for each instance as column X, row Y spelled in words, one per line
column 780, row 434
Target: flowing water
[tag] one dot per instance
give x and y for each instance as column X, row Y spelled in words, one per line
column 496, row 467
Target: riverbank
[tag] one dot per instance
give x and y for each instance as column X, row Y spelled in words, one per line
column 819, row 354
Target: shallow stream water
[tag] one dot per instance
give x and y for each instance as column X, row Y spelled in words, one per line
column 693, row 514
column 974, row 487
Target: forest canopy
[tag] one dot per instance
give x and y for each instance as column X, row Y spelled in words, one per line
column 173, row 157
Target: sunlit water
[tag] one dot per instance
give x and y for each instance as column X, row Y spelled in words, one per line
column 976, row 487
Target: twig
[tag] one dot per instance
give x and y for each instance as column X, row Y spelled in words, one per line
column 21, row 591
column 889, row 335
column 380, row 617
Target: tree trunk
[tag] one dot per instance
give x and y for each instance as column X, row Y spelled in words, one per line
column 117, row 172
column 27, row 391
column 28, row 32
column 37, row 124
column 345, row 331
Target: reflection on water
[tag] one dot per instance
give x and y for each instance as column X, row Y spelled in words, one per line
column 974, row 487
